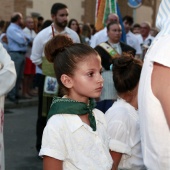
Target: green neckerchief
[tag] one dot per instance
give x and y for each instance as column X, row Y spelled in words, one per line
column 69, row 106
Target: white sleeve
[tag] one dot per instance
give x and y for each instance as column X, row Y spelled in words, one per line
column 138, row 47
column 159, row 51
column 93, row 41
column 53, row 144
column 119, row 134
column 37, row 50
column 77, row 39
column 7, row 72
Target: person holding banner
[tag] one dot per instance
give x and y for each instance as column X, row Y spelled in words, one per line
column 108, row 51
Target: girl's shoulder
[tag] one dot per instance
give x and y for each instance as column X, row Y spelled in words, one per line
column 117, row 112
column 64, row 122
column 99, row 116
column 57, row 121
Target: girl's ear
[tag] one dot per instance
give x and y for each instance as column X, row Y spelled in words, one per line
column 67, row 81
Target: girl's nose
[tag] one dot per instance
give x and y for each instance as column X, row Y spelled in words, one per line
column 101, row 80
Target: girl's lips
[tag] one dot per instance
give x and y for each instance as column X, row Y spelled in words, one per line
column 100, row 88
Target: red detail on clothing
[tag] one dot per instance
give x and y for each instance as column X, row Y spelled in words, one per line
column 2, row 120
column 29, row 67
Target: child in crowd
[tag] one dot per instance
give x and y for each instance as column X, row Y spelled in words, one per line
column 122, row 117
column 75, row 136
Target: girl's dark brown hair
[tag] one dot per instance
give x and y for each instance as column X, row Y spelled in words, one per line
column 65, row 55
column 126, row 73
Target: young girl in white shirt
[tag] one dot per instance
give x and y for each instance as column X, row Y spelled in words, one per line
column 122, row 117
column 75, row 136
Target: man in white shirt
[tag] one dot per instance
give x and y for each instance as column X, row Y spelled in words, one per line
column 59, row 15
column 29, row 69
column 102, row 36
column 131, row 38
column 144, row 38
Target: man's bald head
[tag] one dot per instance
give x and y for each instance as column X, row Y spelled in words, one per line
column 145, row 28
column 16, row 16
column 112, row 18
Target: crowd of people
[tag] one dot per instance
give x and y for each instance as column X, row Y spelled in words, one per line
column 103, row 102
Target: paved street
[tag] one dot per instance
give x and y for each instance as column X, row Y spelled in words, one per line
column 19, row 136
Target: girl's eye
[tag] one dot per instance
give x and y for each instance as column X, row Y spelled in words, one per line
column 101, row 71
column 90, row 74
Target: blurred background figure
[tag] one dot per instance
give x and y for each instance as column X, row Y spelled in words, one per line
column 4, row 40
column 85, row 35
column 101, row 36
column 17, row 46
column 131, row 38
column 29, row 69
column 38, row 70
column 144, row 38
column 136, row 28
column 154, row 31
column 46, row 23
column 93, row 29
column 40, row 22
column 2, row 25
column 74, row 25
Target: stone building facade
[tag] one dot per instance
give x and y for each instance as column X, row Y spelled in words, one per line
column 7, row 7
column 82, row 10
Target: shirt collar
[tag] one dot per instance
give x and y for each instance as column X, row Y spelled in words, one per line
column 16, row 26
column 114, row 44
column 129, row 33
column 65, row 31
column 74, row 122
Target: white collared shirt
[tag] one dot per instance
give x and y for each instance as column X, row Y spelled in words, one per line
column 68, row 139
column 148, row 41
column 32, row 35
column 45, row 35
column 133, row 41
column 117, row 47
column 123, row 128
column 99, row 37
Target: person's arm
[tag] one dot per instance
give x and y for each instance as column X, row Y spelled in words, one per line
column 7, row 72
column 18, row 36
column 116, row 156
column 161, row 87
column 93, row 41
column 37, row 49
column 50, row 163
